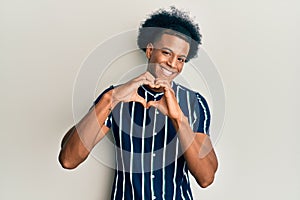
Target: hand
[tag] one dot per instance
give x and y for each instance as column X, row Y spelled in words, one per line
column 168, row 104
column 128, row 91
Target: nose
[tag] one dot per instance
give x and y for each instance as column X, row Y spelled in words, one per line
column 172, row 61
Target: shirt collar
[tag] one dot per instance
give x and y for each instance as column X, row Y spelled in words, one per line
column 154, row 94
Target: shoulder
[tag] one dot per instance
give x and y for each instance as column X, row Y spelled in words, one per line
column 182, row 91
column 194, row 106
column 105, row 91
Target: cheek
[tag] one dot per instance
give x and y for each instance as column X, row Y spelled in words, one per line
column 157, row 58
column 180, row 68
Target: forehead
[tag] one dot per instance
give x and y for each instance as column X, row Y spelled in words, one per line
column 174, row 43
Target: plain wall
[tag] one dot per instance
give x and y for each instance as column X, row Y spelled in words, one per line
column 255, row 45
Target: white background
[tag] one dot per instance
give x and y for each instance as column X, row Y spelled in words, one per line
column 254, row 44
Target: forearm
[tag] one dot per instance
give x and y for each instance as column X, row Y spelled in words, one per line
column 198, row 152
column 80, row 139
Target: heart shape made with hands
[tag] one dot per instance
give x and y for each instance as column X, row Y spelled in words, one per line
column 154, row 87
column 129, row 92
column 165, row 104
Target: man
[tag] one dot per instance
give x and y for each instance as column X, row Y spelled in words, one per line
column 160, row 128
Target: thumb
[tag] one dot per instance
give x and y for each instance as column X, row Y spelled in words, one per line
column 141, row 100
column 152, row 103
column 159, row 105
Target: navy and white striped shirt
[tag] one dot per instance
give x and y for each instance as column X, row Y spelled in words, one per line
column 149, row 160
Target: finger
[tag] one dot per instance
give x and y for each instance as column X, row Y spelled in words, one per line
column 144, row 80
column 153, row 104
column 158, row 105
column 165, row 85
column 147, row 82
column 149, row 76
column 145, row 76
column 162, row 83
column 141, row 100
column 141, row 77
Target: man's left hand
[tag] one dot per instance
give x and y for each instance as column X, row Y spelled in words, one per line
column 168, row 104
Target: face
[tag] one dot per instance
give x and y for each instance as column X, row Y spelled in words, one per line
column 167, row 56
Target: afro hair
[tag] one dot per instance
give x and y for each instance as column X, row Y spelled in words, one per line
column 173, row 19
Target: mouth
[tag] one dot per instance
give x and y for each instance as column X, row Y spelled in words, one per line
column 166, row 72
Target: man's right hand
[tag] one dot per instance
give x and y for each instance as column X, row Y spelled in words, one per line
column 128, row 92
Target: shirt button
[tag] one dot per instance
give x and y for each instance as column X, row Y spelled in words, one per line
column 152, row 176
column 155, row 133
column 153, row 154
column 157, row 112
column 154, row 197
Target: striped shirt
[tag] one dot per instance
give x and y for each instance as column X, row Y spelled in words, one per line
column 149, row 160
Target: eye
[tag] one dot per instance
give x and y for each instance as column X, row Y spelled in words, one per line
column 166, row 53
column 182, row 60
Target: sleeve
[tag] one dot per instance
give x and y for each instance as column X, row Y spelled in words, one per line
column 201, row 115
column 108, row 120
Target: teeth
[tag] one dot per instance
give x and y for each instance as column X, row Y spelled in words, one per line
column 166, row 72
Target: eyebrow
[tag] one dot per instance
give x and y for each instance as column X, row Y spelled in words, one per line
column 166, row 48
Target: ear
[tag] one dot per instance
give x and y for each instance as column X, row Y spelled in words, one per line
column 149, row 50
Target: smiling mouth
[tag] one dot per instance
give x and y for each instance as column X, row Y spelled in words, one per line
column 166, row 72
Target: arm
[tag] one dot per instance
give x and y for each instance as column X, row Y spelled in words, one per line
column 198, row 150
column 80, row 139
